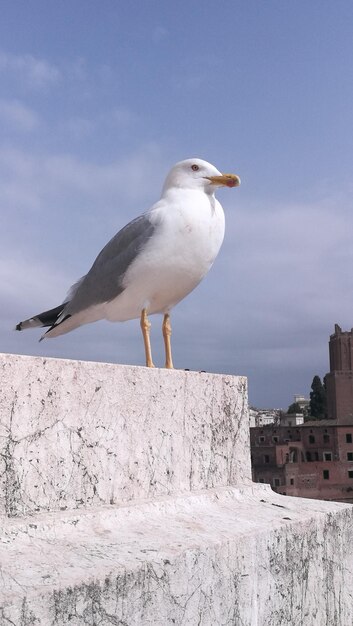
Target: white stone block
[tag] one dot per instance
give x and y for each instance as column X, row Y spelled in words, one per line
column 228, row 556
column 76, row 433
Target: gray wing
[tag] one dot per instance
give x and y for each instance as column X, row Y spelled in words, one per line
column 104, row 281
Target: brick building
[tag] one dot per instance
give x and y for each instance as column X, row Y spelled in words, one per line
column 339, row 382
column 313, row 459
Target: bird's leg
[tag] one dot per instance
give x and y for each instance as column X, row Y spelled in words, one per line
column 145, row 327
column 167, row 331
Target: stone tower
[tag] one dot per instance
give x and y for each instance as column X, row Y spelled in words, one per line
column 339, row 382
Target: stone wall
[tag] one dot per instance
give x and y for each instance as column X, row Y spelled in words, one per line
column 126, row 499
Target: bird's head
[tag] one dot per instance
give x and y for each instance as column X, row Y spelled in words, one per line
column 198, row 174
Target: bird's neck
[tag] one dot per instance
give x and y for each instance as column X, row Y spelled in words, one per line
column 180, row 192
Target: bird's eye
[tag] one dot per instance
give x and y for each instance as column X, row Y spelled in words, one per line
column 195, row 167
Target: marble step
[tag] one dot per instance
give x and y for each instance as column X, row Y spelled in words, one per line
column 225, row 556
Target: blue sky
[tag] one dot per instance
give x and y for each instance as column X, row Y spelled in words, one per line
column 99, row 99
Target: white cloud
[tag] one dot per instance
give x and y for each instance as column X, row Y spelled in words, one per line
column 18, row 116
column 28, row 282
column 55, row 176
column 35, row 72
column 281, row 282
column 18, row 185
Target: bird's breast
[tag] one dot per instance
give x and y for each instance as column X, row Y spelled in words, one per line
column 180, row 252
column 193, row 230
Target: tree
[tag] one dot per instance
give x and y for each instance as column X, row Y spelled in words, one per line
column 318, row 404
column 294, row 408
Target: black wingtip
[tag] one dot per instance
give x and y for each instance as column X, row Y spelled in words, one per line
column 19, row 326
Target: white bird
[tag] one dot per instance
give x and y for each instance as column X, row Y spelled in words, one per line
column 153, row 262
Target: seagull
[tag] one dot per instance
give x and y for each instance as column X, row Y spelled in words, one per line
column 153, row 262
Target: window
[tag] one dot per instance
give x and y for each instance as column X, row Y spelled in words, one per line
column 350, row 473
column 266, row 458
column 326, row 438
column 311, row 439
column 261, row 439
column 349, row 456
column 308, row 457
column 348, row 437
column 275, row 439
column 326, row 475
column 293, row 456
column 276, row 482
column 327, row 456
column 292, row 481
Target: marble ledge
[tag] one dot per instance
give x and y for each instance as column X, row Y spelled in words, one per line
column 226, row 556
column 75, row 434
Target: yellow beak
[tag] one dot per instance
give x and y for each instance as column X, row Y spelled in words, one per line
column 227, row 180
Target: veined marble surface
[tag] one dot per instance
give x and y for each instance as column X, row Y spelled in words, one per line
column 77, row 434
column 125, row 499
column 228, row 556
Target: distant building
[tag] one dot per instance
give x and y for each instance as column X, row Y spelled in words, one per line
column 302, row 402
column 313, row 459
column 263, row 417
column 292, row 419
column 339, row 382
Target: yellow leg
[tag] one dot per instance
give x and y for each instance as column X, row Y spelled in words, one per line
column 145, row 327
column 167, row 331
